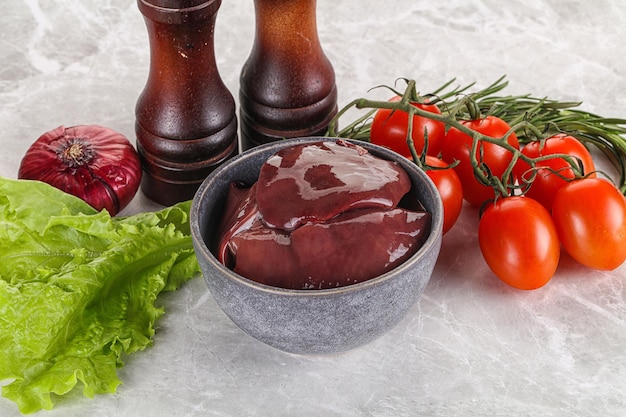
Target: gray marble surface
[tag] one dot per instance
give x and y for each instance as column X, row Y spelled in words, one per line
column 472, row 346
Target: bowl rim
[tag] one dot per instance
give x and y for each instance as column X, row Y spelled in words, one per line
column 434, row 238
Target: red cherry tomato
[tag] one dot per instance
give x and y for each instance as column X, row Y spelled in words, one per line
column 590, row 217
column 519, row 242
column 546, row 182
column 458, row 145
column 390, row 129
column 450, row 190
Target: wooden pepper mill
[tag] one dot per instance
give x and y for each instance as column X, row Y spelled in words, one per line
column 287, row 84
column 186, row 122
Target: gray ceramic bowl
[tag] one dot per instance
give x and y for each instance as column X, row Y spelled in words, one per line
column 310, row 321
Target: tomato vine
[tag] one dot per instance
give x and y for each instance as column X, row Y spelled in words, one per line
column 523, row 160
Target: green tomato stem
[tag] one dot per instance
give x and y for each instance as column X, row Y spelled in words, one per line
column 531, row 119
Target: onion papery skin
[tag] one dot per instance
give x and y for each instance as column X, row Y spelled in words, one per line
column 94, row 163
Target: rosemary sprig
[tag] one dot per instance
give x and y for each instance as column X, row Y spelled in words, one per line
column 544, row 115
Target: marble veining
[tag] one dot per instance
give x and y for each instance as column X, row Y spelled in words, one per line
column 471, row 346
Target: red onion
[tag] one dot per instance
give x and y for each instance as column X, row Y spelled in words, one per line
column 93, row 163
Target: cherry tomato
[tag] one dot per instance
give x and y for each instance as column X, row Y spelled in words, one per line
column 450, row 189
column 590, row 218
column 519, row 242
column 457, row 147
column 546, row 183
column 390, row 129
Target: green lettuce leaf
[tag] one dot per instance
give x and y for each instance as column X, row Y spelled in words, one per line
column 78, row 289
